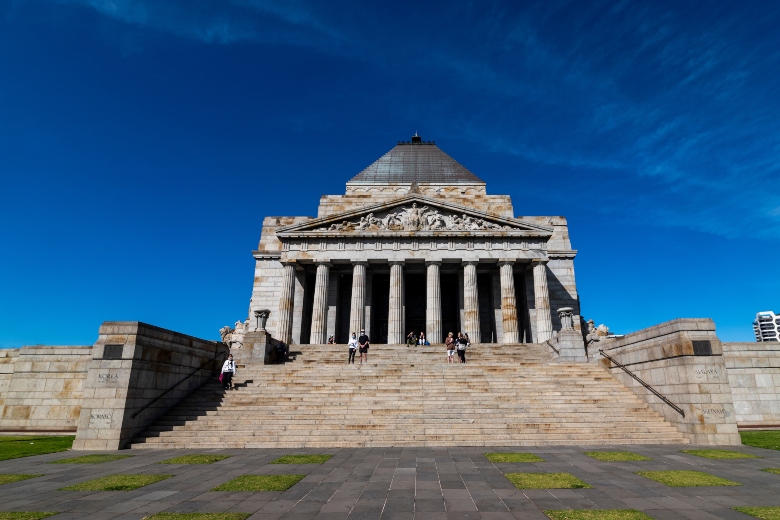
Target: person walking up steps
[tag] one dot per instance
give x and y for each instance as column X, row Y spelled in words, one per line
column 228, row 371
column 353, row 345
column 450, row 344
column 363, row 347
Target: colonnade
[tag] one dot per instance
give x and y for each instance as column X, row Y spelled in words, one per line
column 433, row 313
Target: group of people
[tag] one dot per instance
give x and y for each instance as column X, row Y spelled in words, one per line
column 414, row 339
column 360, row 344
column 459, row 345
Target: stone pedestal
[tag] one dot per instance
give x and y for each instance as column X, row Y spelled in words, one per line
column 258, row 349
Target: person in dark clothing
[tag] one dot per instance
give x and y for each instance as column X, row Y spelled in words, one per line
column 282, row 352
column 461, row 343
column 363, row 347
column 411, row 339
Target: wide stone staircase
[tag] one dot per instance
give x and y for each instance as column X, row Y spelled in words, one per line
column 505, row 395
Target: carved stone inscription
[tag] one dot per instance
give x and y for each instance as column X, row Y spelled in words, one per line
column 108, row 378
column 704, row 372
column 100, row 419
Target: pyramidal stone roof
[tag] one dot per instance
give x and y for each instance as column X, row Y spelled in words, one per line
column 416, row 161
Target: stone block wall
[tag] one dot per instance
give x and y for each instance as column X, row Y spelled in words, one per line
column 136, row 373
column 683, row 360
column 41, row 388
column 754, row 374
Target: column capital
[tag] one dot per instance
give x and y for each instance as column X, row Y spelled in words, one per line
column 287, row 263
column 506, row 261
column 396, row 262
column 433, row 262
column 469, row 262
column 539, row 261
column 326, row 263
column 360, row 262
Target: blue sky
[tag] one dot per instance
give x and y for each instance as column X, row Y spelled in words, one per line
column 142, row 143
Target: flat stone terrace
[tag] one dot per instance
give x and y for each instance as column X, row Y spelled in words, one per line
column 395, row 483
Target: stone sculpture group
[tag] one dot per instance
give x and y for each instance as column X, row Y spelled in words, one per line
column 415, row 219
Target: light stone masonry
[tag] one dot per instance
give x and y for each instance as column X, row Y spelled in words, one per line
column 683, row 360
column 754, row 375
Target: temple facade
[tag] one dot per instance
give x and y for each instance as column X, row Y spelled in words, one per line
column 415, row 244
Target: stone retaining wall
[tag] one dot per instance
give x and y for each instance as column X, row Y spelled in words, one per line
column 754, row 374
column 683, row 360
column 41, row 388
column 137, row 372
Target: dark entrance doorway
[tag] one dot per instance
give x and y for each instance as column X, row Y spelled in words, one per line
column 380, row 301
column 450, row 311
column 487, row 316
column 343, row 308
column 414, row 301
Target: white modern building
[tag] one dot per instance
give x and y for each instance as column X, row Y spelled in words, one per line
column 767, row 326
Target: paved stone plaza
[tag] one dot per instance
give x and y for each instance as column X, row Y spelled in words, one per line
column 396, row 483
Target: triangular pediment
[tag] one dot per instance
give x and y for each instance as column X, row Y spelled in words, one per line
column 413, row 213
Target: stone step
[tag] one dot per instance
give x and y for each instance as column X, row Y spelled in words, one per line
column 505, row 395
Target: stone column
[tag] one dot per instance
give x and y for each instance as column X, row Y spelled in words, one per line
column 509, row 324
column 287, row 303
column 319, row 315
column 471, row 302
column 542, row 300
column 358, row 302
column 395, row 317
column 433, row 330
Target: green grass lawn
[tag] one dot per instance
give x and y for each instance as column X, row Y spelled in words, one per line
column 686, row 478
column 25, row 515
column 21, row 446
column 545, row 481
column 615, row 456
column 117, row 483
column 302, row 459
column 768, row 439
column 90, row 459
column 776, row 471
column 513, row 457
column 10, row 478
column 260, row 483
column 195, row 459
column 198, row 516
column 765, row 513
column 597, row 514
column 721, row 454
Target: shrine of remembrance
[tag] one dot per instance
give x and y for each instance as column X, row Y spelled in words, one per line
column 415, row 244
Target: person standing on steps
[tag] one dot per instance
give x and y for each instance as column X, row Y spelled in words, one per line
column 363, row 347
column 353, row 345
column 461, row 346
column 228, row 371
column 450, row 344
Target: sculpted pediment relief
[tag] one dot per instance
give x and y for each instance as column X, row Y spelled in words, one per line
column 413, row 213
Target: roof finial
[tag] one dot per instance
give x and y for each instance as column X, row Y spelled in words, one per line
column 416, row 138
